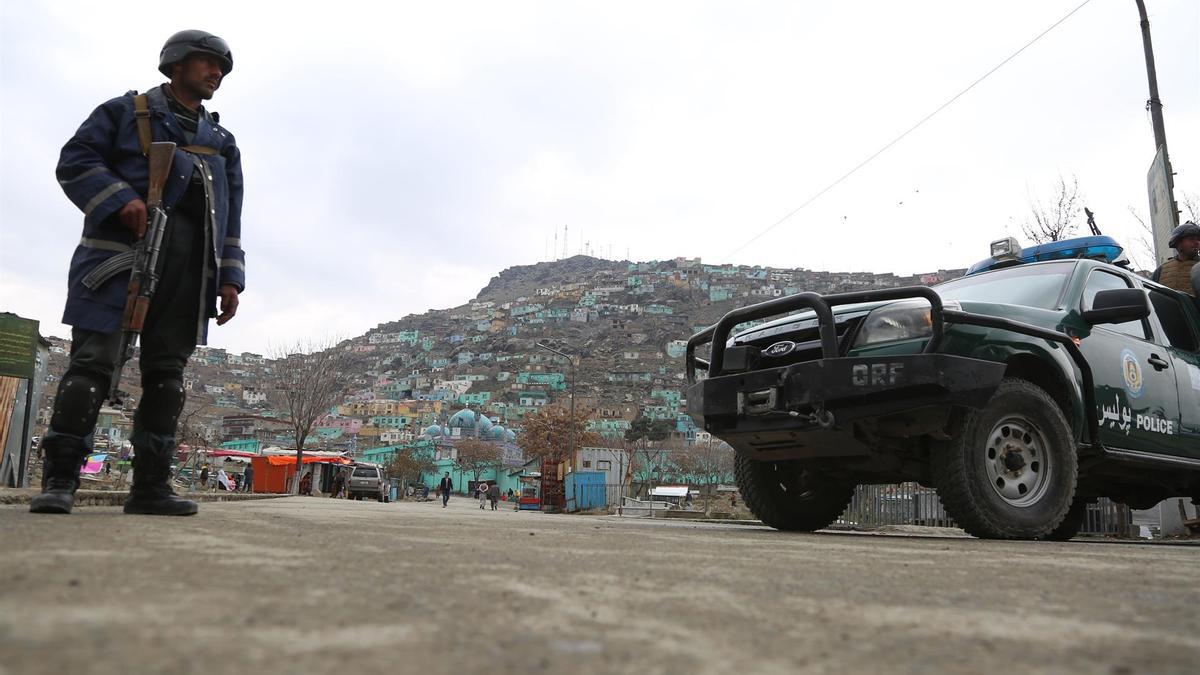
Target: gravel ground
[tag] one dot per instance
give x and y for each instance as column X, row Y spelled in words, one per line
column 319, row 585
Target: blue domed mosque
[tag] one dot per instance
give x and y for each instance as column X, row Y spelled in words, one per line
column 469, row 424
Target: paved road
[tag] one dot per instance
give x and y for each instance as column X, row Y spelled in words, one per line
column 308, row 584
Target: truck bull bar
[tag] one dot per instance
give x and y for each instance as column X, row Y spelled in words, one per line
column 821, row 305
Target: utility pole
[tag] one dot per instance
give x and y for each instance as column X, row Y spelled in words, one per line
column 1154, row 105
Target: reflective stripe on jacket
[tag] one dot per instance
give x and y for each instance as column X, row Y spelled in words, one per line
column 102, row 168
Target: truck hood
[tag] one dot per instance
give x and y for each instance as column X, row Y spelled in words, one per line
column 806, row 319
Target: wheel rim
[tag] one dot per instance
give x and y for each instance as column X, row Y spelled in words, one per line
column 797, row 485
column 1018, row 467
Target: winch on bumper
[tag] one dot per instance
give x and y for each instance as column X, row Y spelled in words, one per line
column 834, row 405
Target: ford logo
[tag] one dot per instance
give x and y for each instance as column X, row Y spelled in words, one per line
column 780, row 349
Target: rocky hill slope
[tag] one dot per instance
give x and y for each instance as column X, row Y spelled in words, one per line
column 626, row 322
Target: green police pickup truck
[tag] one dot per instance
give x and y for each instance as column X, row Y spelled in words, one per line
column 1044, row 379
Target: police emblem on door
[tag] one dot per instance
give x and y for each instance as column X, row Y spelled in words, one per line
column 1132, row 371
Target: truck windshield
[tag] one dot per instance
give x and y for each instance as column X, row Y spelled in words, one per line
column 1027, row 285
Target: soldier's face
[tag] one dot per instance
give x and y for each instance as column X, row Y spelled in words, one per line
column 200, row 75
column 1189, row 247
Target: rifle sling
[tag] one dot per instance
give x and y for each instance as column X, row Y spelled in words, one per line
column 141, row 113
column 199, row 150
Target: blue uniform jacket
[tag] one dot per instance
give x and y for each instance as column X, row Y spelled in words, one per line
column 102, row 168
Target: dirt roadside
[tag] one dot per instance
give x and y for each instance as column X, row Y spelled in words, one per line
column 320, row 585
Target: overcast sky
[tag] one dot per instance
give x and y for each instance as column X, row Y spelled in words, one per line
column 398, row 155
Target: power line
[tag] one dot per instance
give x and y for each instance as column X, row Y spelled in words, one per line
column 911, row 129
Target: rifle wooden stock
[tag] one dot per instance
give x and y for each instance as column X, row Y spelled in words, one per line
column 140, row 307
column 131, row 296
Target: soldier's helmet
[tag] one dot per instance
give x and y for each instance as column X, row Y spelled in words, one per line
column 1188, row 229
column 186, row 42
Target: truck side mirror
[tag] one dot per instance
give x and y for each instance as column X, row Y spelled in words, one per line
column 1118, row 305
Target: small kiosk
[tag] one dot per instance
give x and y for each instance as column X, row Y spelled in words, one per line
column 530, row 498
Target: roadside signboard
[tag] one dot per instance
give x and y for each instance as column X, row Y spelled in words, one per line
column 18, row 346
column 1162, row 207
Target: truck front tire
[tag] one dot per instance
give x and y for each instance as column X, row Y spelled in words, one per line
column 789, row 495
column 1011, row 471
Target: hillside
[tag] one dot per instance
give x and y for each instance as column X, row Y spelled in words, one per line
column 627, row 322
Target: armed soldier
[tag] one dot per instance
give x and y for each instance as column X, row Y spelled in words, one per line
column 104, row 170
column 1177, row 271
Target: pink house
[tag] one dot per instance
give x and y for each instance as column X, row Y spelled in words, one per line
column 348, row 425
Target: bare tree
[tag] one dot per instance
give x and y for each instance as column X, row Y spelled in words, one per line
column 547, row 432
column 475, row 456
column 191, row 425
column 310, row 378
column 408, row 464
column 1143, row 241
column 707, row 464
column 1056, row 220
column 192, row 433
column 1189, row 203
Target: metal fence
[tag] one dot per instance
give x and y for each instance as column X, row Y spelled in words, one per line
column 901, row 504
column 912, row 504
column 595, row 496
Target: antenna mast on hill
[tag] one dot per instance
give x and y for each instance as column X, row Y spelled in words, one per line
column 566, row 241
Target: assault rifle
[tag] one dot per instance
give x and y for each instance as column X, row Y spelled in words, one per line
column 143, row 280
column 1091, row 218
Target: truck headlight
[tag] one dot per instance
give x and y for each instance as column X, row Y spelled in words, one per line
column 897, row 321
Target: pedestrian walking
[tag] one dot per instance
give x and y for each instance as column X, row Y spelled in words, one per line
column 493, row 494
column 104, row 170
column 481, row 492
column 339, row 480
column 204, row 477
column 248, row 478
column 444, row 487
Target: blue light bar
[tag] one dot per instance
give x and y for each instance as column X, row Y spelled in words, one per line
column 1092, row 248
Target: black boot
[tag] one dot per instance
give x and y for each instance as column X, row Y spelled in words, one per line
column 64, row 455
column 151, row 493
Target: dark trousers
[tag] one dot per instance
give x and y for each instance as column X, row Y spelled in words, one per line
column 445, row 497
column 168, row 337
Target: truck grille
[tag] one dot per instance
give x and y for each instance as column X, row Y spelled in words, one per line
column 806, row 341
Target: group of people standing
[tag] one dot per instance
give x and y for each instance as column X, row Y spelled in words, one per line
column 222, row 480
column 488, row 493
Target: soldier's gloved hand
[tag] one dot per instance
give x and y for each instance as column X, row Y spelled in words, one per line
column 133, row 216
column 229, row 303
